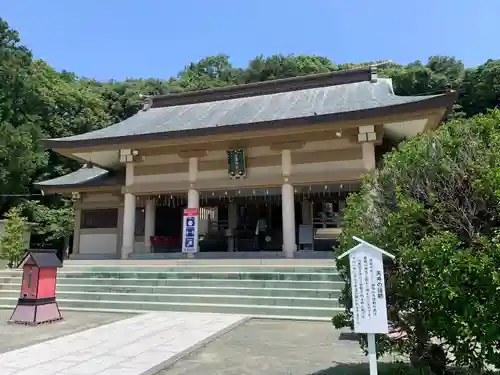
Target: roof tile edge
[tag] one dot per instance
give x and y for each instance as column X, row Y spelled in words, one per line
column 341, row 77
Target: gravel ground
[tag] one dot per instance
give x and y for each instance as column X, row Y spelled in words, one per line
column 266, row 347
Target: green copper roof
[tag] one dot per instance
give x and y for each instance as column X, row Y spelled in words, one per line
column 211, row 117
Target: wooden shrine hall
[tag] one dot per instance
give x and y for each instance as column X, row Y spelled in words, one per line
column 269, row 165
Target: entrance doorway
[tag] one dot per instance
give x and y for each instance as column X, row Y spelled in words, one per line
column 228, row 219
column 259, row 226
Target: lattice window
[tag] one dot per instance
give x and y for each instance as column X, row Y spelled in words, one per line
column 100, row 218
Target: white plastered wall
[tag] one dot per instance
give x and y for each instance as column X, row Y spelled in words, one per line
column 99, row 241
column 95, row 241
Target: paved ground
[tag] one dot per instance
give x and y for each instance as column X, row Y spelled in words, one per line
column 14, row 336
column 261, row 347
column 126, row 347
column 267, row 347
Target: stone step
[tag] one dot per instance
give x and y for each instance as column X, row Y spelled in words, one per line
column 11, row 306
column 6, row 281
column 290, row 291
column 213, row 268
column 200, row 268
column 218, row 299
column 197, row 290
column 220, row 262
column 286, row 312
column 292, row 276
column 264, row 284
column 167, row 289
column 9, row 272
column 239, row 256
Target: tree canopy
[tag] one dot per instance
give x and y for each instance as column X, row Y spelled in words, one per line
column 435, row 203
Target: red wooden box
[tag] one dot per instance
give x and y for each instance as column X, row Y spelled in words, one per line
column 37, row 303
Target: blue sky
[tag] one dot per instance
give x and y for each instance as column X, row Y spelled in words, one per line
column 156, row 38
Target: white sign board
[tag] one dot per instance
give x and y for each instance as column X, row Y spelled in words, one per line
column 368, row 290
column 306, row 235
column 190, row 231
column 369, row 304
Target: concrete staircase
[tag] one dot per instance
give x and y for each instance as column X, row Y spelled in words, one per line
column 286, row 289
column 8, row 278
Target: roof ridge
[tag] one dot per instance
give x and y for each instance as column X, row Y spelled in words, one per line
column 340, row 77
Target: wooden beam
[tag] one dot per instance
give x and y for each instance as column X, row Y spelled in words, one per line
column 287, row 146
column 192, row 154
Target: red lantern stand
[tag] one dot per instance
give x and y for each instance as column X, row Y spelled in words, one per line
column 37, row 303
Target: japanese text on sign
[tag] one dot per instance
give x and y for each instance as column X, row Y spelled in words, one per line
column 190, row 231
column 368, row 291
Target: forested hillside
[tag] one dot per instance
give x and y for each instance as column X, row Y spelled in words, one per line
column 37, row 101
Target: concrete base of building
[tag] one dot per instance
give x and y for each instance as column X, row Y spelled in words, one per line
column 302, row 254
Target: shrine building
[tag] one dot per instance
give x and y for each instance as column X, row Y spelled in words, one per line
column 269, row 165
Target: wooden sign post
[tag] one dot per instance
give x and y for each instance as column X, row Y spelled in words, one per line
column 369, row 305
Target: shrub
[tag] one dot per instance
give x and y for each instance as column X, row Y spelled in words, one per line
column 12, row 241
column 435, row 203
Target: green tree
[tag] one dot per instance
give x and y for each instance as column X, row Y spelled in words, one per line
column 480, row 88
column 210, row 72
column 53, row 223
column 285, row 66
column 440, row 73
column 21, row 154
column 65, row 107
column 435, row 204
column 124, row 98
column 12, row 241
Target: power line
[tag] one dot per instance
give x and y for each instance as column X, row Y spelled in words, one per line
column 27, row 195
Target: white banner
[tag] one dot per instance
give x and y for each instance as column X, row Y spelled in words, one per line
column 190, row 231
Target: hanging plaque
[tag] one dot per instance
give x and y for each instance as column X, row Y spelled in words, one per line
column 236, row 163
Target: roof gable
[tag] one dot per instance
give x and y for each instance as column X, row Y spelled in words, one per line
column 41, row 259
column 87, row 176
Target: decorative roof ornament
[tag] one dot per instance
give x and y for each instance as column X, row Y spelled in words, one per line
column 374, row 74
column 148, row 103
column 128, row 155
column 374, row 69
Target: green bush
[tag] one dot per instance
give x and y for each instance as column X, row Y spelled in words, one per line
column 435, row 203
column 12, row 241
